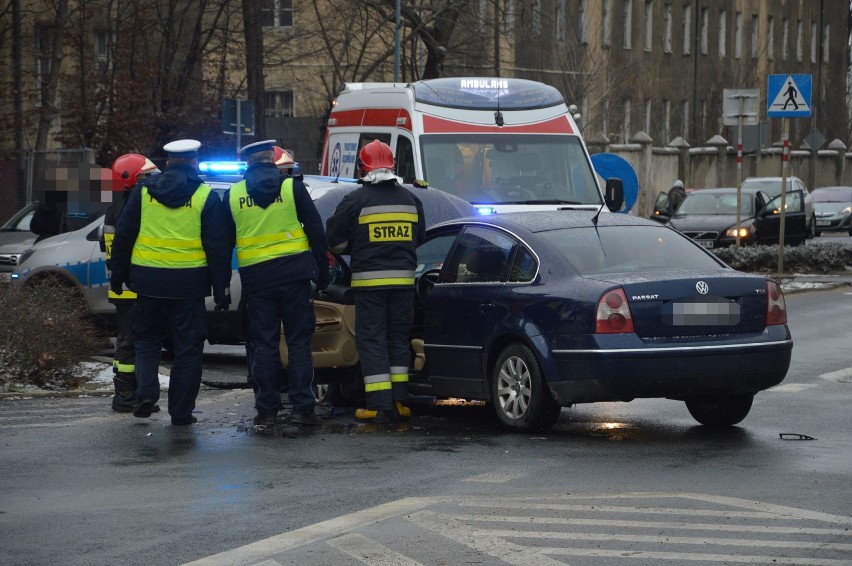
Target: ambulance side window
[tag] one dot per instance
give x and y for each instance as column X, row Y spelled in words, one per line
column 405, row 159
column 367, row 138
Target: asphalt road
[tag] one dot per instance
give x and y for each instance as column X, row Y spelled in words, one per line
column 612, row 483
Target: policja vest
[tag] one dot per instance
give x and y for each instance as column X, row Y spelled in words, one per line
column 266, row 233
column 171, row 237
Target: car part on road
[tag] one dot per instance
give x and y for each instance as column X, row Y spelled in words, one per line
column 720, row 411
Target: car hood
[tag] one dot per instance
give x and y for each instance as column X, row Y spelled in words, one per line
column 16, row 242
column 706, row 222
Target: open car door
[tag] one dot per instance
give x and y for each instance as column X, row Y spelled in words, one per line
column 662, row 208
column 768, row 222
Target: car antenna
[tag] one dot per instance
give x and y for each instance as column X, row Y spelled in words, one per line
column 498, row 116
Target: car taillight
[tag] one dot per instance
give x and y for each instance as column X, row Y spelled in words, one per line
column 776, row 308
column 613, row 314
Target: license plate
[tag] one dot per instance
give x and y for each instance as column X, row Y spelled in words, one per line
column 705, row 243
column 823, row 222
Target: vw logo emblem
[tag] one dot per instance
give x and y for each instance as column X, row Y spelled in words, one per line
column 702, row 287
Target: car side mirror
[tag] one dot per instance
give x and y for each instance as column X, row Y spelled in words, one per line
column 100, row 237
column 614, row 194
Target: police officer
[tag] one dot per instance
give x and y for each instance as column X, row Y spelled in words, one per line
column 380, row 224
column 170, row 246
column 281, row 249
column 127, row 171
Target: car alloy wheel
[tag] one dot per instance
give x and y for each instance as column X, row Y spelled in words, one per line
column 522, row 399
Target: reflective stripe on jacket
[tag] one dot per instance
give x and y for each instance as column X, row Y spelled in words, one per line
column 171, row 237
column 266, row 233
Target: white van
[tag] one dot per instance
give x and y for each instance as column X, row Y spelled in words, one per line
column 501, row 144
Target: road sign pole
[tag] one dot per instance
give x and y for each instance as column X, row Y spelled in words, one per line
column 785, row 136
column 739, row 169
column 239, row 127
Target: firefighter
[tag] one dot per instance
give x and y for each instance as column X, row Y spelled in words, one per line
column 283, row 160
column 380, row 224
column 127, row 171
column 281, row 250
column 170, row 246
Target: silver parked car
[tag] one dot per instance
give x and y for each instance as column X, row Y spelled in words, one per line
column 772, row 187
column 833, row 209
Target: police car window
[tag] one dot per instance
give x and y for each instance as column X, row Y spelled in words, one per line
column 482, row 255
column 405, row 159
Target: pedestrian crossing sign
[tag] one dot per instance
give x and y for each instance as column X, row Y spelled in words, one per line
column 788, row 96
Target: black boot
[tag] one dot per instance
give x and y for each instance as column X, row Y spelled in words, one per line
column 124, row 400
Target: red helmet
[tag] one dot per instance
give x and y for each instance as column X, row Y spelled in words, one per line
column 283, row 159
column 374, row 155
column 127, row 169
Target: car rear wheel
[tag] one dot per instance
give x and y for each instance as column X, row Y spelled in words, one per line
column 812, row 232
column 521, row 397
column 720, row 411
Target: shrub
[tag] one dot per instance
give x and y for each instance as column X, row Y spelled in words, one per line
column 823, row 257
column 44, row 335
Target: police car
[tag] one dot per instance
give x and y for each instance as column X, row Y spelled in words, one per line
column 75, row 259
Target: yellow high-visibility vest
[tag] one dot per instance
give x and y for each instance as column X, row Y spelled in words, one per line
column 171, row 237
column 266, row 233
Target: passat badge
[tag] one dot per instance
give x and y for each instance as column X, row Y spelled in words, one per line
column 702, row 287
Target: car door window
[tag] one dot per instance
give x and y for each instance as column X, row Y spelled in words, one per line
column 432, row 253
column 524, row 267
column 794, row 203
column 405, row 159
column 482, row 255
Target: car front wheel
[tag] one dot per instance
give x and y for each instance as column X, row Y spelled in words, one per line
column 521, row 397
column 720, row 411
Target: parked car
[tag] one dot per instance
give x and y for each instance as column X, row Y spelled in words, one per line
column 833, row 209
column 709, row 217
column 772, row 187
column 15, row 238
column 537, row 311
column 75, row 259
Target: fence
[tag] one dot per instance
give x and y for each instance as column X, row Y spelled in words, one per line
column 715, row 165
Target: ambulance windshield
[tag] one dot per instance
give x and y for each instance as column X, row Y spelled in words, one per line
column 510, row 168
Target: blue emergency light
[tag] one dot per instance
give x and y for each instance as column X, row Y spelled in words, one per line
column 486, row 210
column 222, row 167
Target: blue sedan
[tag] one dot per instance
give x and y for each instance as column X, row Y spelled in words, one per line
column 538, row 311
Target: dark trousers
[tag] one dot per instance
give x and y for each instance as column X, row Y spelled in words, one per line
column 288, row 304
column 185, row 320
column 382, row 335
column 124, row 360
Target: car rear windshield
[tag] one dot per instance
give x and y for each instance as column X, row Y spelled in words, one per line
column 618, row 249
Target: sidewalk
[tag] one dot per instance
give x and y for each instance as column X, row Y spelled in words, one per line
column 800, row 282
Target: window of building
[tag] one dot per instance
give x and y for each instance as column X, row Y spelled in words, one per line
column 813, row 42
column 799, row 41
column 101, row 44
column 667, row 28
column 703, row 117
column 770, row 38
column 738, row 36
column 606, row 23
column 279, row 104
column 685, row 112
column 627, row 125
column 43, row 57
column 723, row 33
column 826, row 30
column 560, row 19
column 649, row 25
column 509, row 18
column 648, row 116
column 705, row 31
column 276, row 13
column 536, row 17
column 628, row 24
column 687, row 29
column 785, row 38
column 667, row 119
column 755, row 37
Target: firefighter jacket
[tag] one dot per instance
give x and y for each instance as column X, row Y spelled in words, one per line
column 110, row 220
column 276, row 228
column 170, row 241
column 380, row 225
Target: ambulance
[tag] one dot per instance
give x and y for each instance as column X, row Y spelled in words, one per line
column 501, row 144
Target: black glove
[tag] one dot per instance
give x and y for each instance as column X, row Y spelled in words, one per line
column 222, row 300
column 322, row 281
column 115, row 285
